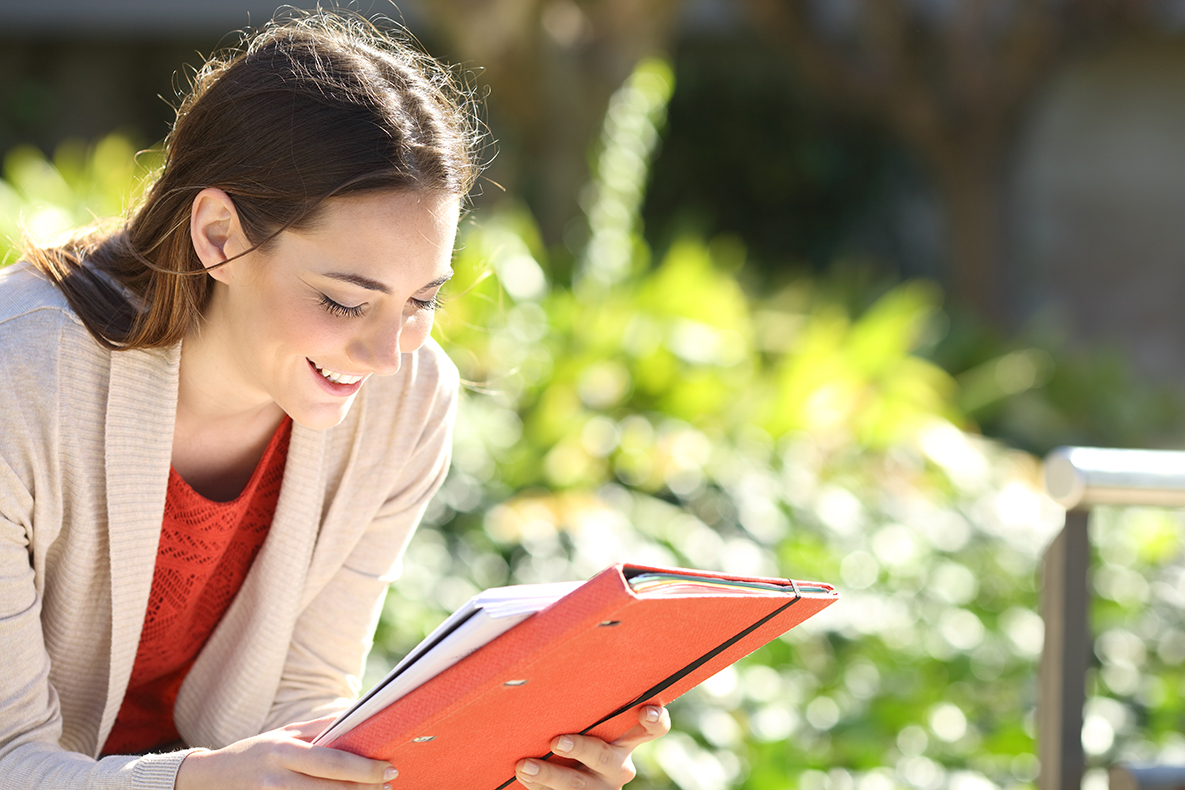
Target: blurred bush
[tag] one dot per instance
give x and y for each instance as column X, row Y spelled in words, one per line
column 1134, row 708
column 623, row 408
column 1036, row 391
column 82, row 184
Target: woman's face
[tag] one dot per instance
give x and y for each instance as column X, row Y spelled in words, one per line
column 305, row 323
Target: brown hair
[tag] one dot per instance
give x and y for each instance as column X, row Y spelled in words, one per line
column 306, row 109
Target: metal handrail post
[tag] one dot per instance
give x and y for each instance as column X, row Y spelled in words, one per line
column 1079, row 478
column 1061, row 692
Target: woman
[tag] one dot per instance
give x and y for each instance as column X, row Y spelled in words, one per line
column 221, row 425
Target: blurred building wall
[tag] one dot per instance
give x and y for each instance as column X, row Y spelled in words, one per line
column 1098, row 205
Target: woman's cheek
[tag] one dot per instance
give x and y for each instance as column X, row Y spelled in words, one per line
column 416, row 331
column 316, row 328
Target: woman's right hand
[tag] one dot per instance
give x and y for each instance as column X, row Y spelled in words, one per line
column 283, row 758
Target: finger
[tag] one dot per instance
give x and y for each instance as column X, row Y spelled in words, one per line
column 654, row 721
column 546, row 775
column 528, row 780
column 595, row 754
column 531, row 774
column 325, row 763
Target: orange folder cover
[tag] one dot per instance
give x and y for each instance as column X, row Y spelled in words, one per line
column 585, row 664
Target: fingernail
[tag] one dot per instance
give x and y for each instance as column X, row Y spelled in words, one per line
column 564, row 744
column 653, row 714
column 390, row 774
column 530, row 768
column 386, row 786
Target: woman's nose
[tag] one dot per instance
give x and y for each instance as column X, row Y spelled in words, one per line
column 378, row 350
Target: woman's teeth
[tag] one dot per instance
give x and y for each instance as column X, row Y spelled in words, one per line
column 337, row 378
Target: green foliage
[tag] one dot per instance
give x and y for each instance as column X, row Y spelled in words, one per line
column 1034, row 391
column 628, row 139
column 1134, row 706
column 82, row 184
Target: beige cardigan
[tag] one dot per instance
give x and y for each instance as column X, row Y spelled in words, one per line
column 85, row 443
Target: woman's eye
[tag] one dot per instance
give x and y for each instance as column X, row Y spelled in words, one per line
column 426, row 304
column 340, row 309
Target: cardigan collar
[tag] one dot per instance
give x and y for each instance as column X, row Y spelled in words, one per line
column 141, row 410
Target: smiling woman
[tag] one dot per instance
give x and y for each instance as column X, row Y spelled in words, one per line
column 222, row 423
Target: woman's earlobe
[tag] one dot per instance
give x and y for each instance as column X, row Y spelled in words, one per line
column 214, row 230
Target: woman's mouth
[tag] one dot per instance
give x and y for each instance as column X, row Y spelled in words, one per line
column 336, row 382
column 335, row 377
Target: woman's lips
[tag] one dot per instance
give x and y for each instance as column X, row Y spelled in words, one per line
column 341, row 389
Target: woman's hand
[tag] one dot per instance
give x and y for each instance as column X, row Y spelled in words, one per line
column 605, row 766
column 283, row 758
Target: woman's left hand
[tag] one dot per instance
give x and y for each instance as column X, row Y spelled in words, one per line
column 604, row 766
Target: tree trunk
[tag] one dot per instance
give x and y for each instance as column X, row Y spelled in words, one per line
column 970, row 183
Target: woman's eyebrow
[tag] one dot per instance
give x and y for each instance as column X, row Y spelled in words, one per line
column 375, row 285
column 359, row 280
column 439, row 281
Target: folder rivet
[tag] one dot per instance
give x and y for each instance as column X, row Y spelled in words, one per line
column 609, row 623
column 423, row 739
column 515, row 683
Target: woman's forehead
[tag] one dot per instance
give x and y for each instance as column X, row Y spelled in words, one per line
column 369, row 234
column 403, row 208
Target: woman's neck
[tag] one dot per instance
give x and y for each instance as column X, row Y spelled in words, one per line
column 222, row 428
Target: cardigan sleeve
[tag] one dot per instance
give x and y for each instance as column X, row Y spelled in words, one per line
column 322, row 672
column 31, row 724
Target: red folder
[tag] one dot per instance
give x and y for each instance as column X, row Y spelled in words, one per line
column 585, row 664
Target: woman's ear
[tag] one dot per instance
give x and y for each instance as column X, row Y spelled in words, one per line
column 215, row 231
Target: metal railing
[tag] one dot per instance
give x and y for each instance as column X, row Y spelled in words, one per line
column 1078, row 478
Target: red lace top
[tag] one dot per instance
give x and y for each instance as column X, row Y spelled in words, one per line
column 206, row 549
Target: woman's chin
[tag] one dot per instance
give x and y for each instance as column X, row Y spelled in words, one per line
column 321, row 417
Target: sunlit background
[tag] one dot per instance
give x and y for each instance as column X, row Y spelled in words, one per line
column 777, row 287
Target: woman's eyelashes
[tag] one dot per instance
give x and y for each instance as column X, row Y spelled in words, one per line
column 338, row 309
column 427, row 304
